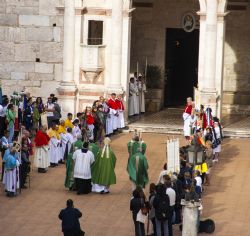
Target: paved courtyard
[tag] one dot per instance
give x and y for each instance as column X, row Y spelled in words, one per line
column 35, row 211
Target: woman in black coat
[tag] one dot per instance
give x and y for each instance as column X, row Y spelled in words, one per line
column 136, row 204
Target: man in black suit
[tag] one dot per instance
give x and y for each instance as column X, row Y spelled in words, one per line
column 70, row 220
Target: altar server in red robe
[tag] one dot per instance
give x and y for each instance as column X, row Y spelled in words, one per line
column 41, row 160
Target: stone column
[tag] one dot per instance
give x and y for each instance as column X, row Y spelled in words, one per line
column 210, row 48
column 114, row 83
column 208, row 95
column 69, row 42
column 220, row 61
column 126, row 45
column 202, row 46
column 67, row 88
column 190, row 218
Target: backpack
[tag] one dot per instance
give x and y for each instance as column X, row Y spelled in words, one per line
column 162, row 211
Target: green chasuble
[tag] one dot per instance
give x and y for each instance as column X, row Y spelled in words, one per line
column 94, row 148
column 69, row 180
column 103, row 169
column 138, row 169
column 135, row 147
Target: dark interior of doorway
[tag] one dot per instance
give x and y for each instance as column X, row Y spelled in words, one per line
column 182, row 50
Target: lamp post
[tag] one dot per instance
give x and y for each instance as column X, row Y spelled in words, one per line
column 195, row 153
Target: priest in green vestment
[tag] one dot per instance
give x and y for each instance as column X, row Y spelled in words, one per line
column 103, row 169
column 69, row 180
column 137, row 168
column 136, row 146
column 94, row 148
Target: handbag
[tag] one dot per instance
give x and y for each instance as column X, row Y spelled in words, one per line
column 141, row 217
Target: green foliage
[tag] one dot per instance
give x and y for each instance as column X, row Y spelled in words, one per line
column 154, row 78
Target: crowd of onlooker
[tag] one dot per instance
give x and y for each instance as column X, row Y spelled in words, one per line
column 163, row 206
column 103, row 118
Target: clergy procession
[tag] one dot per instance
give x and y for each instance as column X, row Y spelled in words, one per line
column 31, row 128
column 137, row 90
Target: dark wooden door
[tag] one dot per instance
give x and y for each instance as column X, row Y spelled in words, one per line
column 182, row 51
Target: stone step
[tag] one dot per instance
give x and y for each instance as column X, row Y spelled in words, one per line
column 229, row 133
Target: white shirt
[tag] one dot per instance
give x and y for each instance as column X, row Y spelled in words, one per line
column 83, row 162
column 50, row 106
column 172, row 196
column 198, row 181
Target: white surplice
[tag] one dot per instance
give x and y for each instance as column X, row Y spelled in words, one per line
column 121, row 120
column 142, row 90
column 75, row 132
column 64, row 141
column 109, row 123
column 83, row 162
column 133, row 101
column 41, row 159
column 187, row 122
column 54, row 150
column 70, row 141
column 11, row 178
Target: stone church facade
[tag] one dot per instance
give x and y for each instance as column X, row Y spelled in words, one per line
column 81, row 49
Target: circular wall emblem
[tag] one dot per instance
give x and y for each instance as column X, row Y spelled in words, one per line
column 188, row 22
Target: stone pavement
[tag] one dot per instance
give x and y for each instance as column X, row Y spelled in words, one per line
column 34, row 212
column 170, row 121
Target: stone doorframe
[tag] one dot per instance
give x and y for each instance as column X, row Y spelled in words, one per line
column 211, row 52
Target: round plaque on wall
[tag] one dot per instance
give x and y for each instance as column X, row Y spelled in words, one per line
column 188, row 22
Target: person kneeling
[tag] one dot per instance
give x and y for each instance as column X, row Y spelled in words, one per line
column 70, row 220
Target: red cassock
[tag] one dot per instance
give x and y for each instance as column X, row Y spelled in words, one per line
column 203, row 117
column 188, row 109
column 90, row 119
column 112, row 104
column 41, row 139
column 119, row 104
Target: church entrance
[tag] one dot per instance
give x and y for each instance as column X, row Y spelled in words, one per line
column 182, row 50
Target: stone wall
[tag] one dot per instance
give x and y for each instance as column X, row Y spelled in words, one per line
column 149, row 25
column 236, row 62
column 31, row 36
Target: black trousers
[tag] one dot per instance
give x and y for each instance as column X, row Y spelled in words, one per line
column 170, row 225
column 50, row 120
column 3, row 126
column 139, row 227
column 23, row 173
column 2, row 152
column 154, row 225
column 83, row 186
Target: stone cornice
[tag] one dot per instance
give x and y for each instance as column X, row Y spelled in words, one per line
column 78, row 10
column 95, row 11
column 220, row 15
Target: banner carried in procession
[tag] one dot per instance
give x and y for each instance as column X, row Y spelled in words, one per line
column 173, row 155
